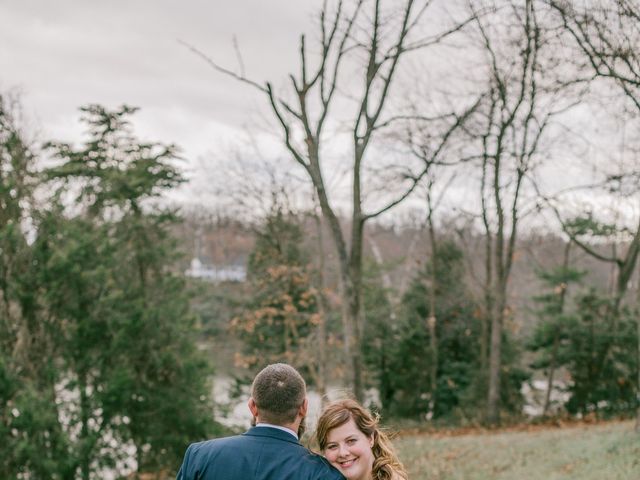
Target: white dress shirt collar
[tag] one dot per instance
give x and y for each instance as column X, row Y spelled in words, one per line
column 279, row 427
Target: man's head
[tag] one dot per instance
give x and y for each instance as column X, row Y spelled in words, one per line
column 278, row 395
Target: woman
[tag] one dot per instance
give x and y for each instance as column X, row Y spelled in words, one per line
column 350, row 439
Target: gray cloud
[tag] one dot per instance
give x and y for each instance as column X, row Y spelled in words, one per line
column 66, row 53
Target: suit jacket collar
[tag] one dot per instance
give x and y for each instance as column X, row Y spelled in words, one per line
column 272, row 433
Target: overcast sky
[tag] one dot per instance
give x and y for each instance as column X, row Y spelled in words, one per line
column 63, row 54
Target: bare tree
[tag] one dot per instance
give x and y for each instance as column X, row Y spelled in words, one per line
column 607, row 34
column 522, row 99
column 434, row 142
column 370, row 39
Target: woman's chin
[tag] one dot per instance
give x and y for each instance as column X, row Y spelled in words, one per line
column 349, row 469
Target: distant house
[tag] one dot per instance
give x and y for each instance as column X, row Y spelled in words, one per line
column 216, row 274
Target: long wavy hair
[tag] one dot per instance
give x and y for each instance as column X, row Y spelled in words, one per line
column 386, row 465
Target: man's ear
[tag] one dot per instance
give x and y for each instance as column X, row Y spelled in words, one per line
column 303, row 408
column 253, row 407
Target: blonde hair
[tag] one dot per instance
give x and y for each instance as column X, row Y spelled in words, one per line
column 386, row 465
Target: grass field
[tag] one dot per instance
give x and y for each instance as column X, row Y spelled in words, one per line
column 605, row 451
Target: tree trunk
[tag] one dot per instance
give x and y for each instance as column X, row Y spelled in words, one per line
column 85, row 455
column 552, row 371
column 384, row 384
column 321, row 381
column 354, row 319
column 638, row 385
column 556, row 337
column 499, row 294
column 488, row 268
column 350, row 265
column 321, row 373
column 495, row 363
column 637, row 427
column 432, row 319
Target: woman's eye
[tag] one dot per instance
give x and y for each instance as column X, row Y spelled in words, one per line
column 331, row 447
column 351, row 441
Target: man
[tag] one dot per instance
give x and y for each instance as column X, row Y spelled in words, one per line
column 270, row 449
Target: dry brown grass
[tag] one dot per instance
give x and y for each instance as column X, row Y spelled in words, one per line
column 585, row 451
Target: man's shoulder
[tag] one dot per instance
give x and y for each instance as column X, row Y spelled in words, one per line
column 320, row 464
column 239, row 443
column 309, row 464
column 215, row 443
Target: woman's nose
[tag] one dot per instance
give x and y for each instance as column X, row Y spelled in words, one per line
column 342, row 450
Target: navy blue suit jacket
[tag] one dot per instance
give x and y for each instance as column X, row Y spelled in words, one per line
column 262, row 453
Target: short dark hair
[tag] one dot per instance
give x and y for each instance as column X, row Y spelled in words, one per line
column 278, row 391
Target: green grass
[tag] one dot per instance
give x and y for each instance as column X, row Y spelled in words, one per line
column 608, row 451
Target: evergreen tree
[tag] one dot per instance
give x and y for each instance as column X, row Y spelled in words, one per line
column 601, row 358
column 580, row 337
column 556, row 319
column 32, row 439
column 601, row 345
column 457, row 334
column 97, row 354
column 278, row 323
column 380, row 334
column 129, row 347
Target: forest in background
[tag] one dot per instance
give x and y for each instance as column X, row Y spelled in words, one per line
column 520, row 263
column 396, row 313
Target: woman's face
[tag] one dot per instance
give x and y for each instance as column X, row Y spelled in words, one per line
column 349, row 450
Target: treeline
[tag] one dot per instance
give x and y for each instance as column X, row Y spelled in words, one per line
column 503, row 114
column 98, row 367
column 422, row 340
